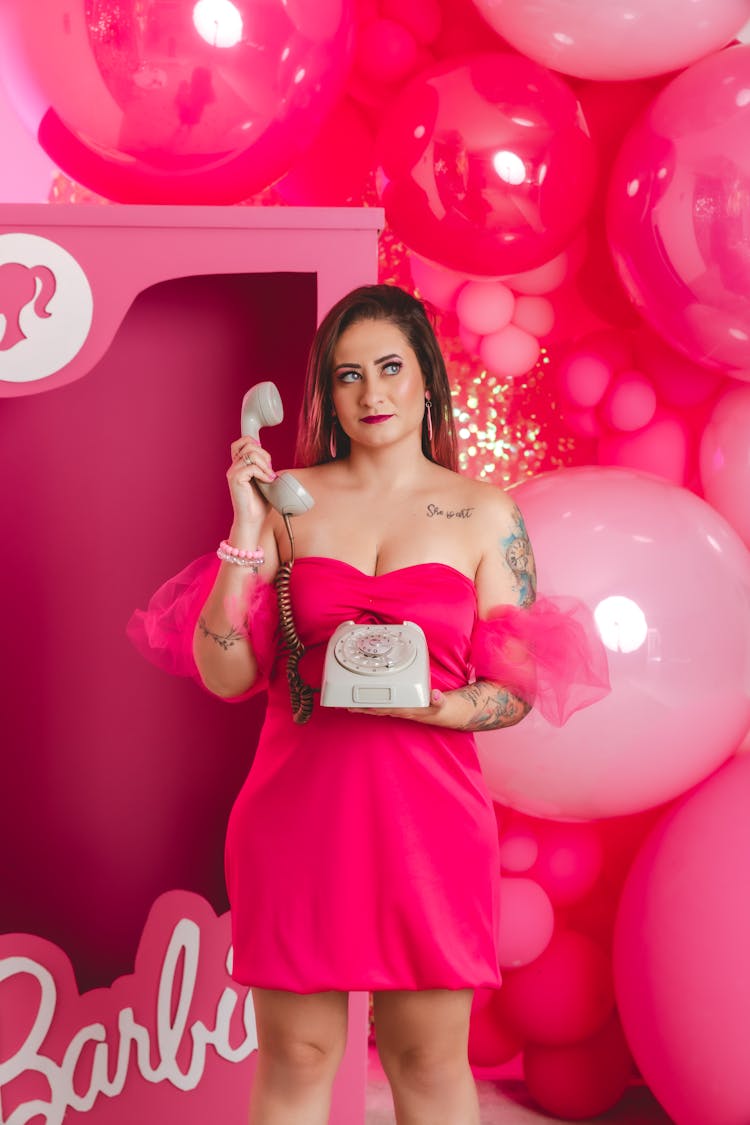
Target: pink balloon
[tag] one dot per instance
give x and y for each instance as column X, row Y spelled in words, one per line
column 386, row 50
column 519, row 849
column 544, row 278
column 484, row 306
column 583, row 422
column 310, row 183
column 630, row 403
column 566, row 994
column 676, row 229
column 492, row 1038
column 668, row 581
column 617, row 39
column 570, row 860
column 435, row 284
column 534, row 315
column 678, row 380
column 681, row 953
column 584, row 377
column 488, row 167
column 526, row 922
column 183, row 103
column 660, row 448
column 725, row 459
column 423, row 18
column 510, row 352
column 470, row 341
column 583, row 1079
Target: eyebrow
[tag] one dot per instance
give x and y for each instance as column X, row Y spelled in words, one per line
column 358, row 366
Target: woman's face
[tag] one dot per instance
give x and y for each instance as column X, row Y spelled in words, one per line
column 378, row 389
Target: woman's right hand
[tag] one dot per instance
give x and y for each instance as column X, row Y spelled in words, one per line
column 250, row 461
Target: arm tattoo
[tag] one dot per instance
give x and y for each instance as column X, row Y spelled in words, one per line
column 520, row 558
column 494, row 706
column 225, row 640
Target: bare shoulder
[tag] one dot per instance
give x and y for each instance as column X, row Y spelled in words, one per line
column 490, row 503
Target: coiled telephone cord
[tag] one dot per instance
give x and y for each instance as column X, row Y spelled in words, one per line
column 300, row 693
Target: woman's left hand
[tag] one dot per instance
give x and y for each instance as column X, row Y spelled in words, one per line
column 434, row 714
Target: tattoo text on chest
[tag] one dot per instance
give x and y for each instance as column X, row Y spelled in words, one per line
column 450, row 514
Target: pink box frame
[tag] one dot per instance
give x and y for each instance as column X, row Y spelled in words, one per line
column 151, row 244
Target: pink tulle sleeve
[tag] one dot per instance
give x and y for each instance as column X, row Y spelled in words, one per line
column 163, row 632
column 550, row 654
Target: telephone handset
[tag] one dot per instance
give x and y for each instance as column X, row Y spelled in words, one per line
column 261, row 407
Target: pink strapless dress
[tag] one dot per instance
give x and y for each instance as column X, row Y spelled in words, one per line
column 362, row 851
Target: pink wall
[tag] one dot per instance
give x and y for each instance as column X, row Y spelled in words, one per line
column 26, row 173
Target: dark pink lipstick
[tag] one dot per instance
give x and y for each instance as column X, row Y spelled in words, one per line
column 371, row 419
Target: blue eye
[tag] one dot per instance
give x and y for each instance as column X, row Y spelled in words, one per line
column 392, row 368
column 348, row 376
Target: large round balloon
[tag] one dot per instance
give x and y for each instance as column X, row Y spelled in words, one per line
column 611, row 40
column 725, row 458
column 681, row 953
column 668, row 581
column 677, row 212
column 487, row 165
column 184, row 102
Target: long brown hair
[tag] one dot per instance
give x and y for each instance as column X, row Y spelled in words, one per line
column 374, row 302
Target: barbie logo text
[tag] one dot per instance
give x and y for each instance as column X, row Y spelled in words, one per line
column 155, row 1046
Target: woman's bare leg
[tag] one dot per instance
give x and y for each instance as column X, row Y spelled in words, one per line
column 301, row 1039
column 422, row 1041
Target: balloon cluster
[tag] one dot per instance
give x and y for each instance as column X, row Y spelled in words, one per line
column 569, row 187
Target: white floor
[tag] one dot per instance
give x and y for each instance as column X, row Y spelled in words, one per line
column 505, row 1102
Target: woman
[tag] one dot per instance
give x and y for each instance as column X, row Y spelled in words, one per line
column 362, row 851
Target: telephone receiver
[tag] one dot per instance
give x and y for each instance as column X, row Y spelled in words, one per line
column 261, row 407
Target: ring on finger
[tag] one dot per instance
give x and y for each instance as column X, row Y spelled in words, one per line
column 247, row 459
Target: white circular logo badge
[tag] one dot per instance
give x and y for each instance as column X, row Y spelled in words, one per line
column 46, row 307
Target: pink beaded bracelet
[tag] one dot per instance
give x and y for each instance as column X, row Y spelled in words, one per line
column 254, row 559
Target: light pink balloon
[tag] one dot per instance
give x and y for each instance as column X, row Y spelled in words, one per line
column 725, row 459
column 485, row 306
column 544, row 278
column 675, row 216
column 668, row 581
column 526, row 922
column 660, row 448
column 584, row 377
column 436, row 284
column 519, row 848
column 535, row 315
column 612, row 40
column 682, row 953
column 630, row 402
column 509, row 352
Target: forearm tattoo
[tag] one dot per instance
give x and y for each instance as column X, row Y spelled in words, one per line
column 493, row 706
column 223, row 640
column 518, row 555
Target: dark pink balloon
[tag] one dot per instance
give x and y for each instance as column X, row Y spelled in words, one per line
column 678, row 213
column 580, row 1080
column 185, row 102
column 487, row 165
column 566, row 994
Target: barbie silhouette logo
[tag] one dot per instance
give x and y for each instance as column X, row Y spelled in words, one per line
column 46, row 307
column 162, row 1044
